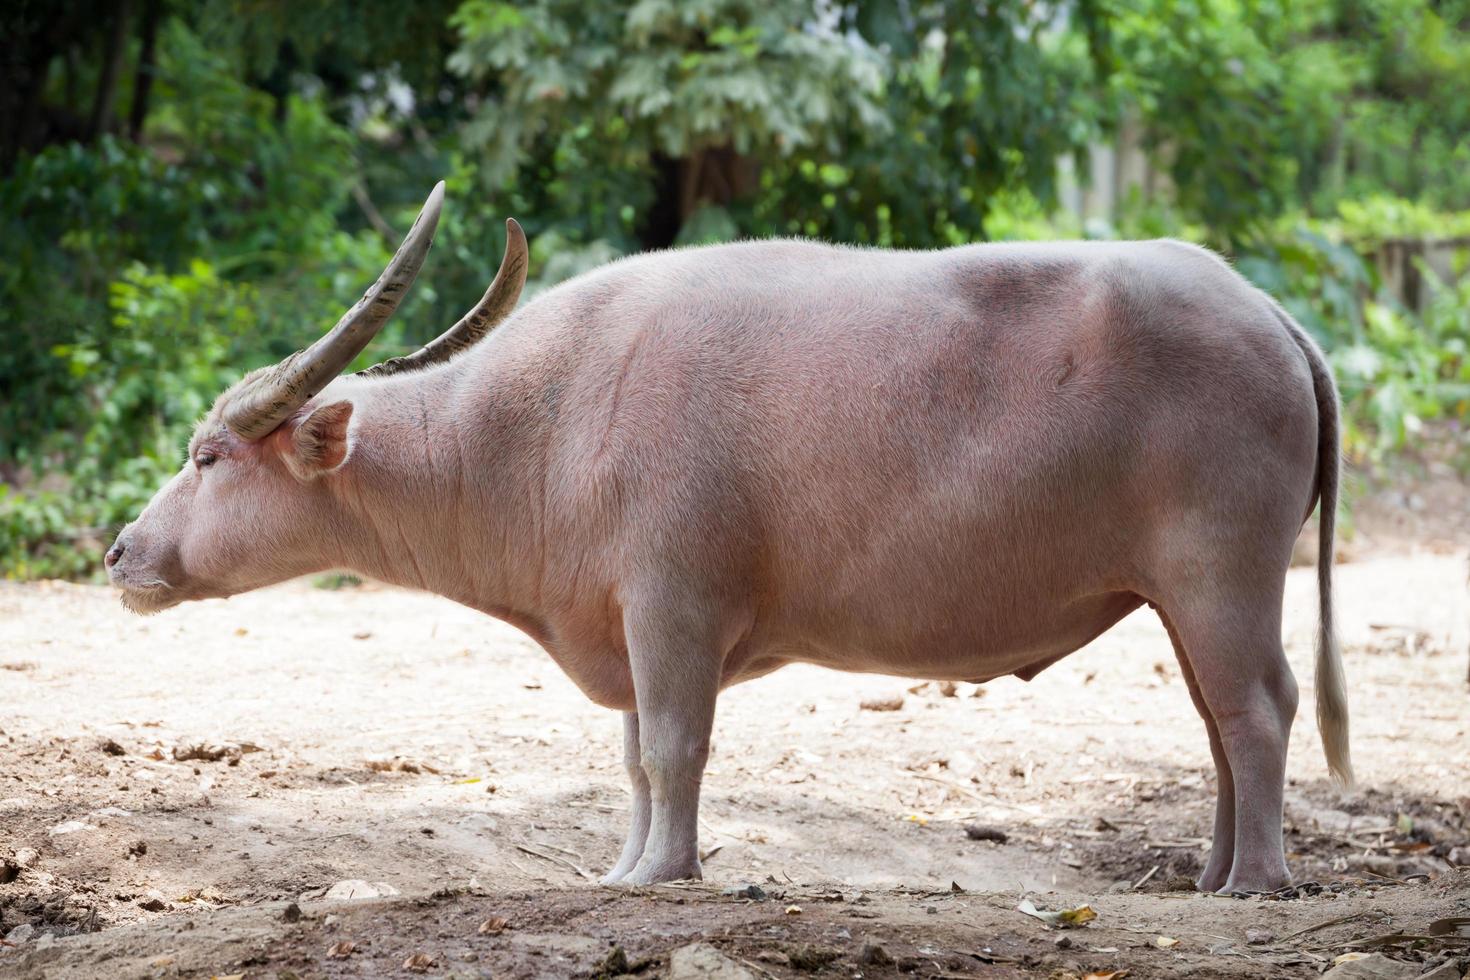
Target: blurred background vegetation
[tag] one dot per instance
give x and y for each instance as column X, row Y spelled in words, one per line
column 189, row 190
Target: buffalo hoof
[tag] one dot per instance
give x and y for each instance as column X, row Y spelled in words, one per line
column 1244, row 886
column 658, row 873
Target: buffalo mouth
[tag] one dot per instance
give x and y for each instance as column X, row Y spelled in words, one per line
column 149, row 599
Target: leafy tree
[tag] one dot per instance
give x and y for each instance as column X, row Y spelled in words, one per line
column 686, row 99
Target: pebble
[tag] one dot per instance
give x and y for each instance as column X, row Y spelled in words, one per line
column 20, row 933
column 1445, row 971
column 1374, row 966
column 977, row 831
column 352, row 889
column 701, row 961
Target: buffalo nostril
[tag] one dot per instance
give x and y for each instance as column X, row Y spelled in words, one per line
column 113, row 554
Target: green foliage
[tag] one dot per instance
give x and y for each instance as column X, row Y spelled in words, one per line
column 143, row 391
column 1395, row 370
column 1207, row 88
column 660, row 76
column 159, row 242
column 981, row 100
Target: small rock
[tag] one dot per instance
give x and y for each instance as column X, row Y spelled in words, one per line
column 1062, row 942
column 1259, row 937
column 20, row 933
column 137, row 848
column 614, row 964
column 1180, row 883
column 1120, row 886
column 26, row 856
column 342, row 950
column 701, row 961
column 291, row 913
column 353, row 889
column 469, row 956
column 330, row 922
column 111, row 747
column 9, row 871
column 773, row 956
column 420, row 963
column 882, row 704
column 1370, row 966
column 874, row 955
column 45, row 940
column 753, row 892
column 1449, row 970
column 493, row 926
column 813, row 958
column 153, row 902
column 977, row 831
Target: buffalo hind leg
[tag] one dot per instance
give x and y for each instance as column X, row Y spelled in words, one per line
column 1222, row 847
column 1231, row 635
column 676, row 679
column 641, row 808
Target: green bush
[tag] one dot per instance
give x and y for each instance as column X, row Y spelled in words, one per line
column 140, row 385
column 1395, row 369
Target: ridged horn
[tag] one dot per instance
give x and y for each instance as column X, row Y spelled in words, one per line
column 497, row 304
column 271, row 396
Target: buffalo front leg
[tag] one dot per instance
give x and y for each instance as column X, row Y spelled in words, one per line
column 676, row 678
column 641, row 808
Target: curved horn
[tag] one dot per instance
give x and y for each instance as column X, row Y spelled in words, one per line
column 497, row 304
column 269, row 398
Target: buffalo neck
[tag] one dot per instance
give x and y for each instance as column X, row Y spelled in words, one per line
column 442, row 488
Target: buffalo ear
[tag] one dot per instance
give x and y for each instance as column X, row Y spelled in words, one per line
column 319, row 441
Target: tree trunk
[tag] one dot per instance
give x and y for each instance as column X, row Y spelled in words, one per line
column 112, row 58
column 23, row 26
column 147, row 59
column 716, row 175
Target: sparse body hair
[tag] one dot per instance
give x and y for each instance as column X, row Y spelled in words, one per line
column 688, row 469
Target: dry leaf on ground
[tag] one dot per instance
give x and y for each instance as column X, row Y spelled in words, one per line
column 1063, row 919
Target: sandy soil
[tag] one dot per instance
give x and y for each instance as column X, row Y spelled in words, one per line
column 177, row 794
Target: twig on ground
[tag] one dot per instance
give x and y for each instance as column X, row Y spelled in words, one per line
column 757, row 969
column 991, row 800
column 524, row 848
column 1330, row 923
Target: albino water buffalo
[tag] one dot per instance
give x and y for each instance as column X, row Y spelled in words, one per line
column 690, row 468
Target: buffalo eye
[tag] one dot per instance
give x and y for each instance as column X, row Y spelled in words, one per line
column 205, row 459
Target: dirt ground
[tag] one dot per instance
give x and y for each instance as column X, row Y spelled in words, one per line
column 180, row 795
